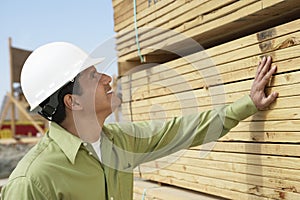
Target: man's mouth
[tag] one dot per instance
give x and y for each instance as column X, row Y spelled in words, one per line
column 109, row 91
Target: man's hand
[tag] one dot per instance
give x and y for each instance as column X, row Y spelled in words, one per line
column 261, row 80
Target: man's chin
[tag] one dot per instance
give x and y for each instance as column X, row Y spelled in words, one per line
column 115, row 103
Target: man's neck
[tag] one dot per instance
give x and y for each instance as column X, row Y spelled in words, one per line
column 87, row 130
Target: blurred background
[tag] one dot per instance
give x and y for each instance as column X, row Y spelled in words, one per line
column 26, row 25
column 33, row 23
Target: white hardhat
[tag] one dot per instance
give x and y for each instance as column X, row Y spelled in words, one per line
column 50, row 67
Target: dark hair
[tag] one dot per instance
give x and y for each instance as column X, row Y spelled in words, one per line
column 72, row 87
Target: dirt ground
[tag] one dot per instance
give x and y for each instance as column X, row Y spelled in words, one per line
column 10, row 154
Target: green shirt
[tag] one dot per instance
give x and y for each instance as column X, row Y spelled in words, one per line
column 62, row 166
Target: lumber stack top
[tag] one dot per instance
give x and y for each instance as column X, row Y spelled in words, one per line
column 166, row 27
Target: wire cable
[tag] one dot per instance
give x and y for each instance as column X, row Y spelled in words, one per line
column 137, row 33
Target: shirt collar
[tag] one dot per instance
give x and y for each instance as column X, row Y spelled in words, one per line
column 67, row 142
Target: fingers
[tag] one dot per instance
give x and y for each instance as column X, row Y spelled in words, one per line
column 264, row 67
column 265, row 72
column 260, row 66
column 261, row 80
column 265, row 80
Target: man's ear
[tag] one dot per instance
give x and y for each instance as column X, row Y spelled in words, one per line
column 72, row 102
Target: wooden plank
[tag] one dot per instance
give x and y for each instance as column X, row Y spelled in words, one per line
column 221, row 187
column 24, row 112
column 288, row 125
column 220, row 64
column 4, row 111
column 206, row 189
column 260, row 170
column 258, row 38
column 242, row 172
column 153, row 114
column 225, row 63
column 158, row 112
column 234, row 158
column 241, row 168
column 173, row 18
column 244, row 126
column 260, row 160
column 278, row 137
column 170, row 17
column 213, row 30
column 116, row 2
column 150, row 190
column 226, row 89
column 208, row 102
column 202, row 104
column 253, row 148
column 282, row 105
column 232, row 177
column 202, row 100
column 198, row 78
column 125, row 10
column 129, row 38
column 267, row 126
column 124, row 13
column 196, row 86
column 157, row 89
column 147, row 15
column 13, row 110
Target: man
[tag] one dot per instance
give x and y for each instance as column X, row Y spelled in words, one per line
column 80, row 157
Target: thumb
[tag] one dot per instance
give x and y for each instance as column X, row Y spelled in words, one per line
column 270, row 99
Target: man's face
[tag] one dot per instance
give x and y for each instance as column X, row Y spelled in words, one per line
column 97, row 96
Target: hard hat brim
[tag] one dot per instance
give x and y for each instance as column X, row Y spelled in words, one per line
column 91, row 62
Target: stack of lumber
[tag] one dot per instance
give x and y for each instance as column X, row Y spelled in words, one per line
column 258, row 159
column 207, row 21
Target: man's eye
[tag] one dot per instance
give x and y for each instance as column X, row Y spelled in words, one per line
column 93, row 74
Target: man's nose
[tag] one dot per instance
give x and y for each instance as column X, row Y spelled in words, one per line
column 105, row 79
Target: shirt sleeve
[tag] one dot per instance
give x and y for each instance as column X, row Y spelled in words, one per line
column 23, row 188
column 150, row 140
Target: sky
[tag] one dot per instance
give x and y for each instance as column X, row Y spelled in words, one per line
column 32, row 23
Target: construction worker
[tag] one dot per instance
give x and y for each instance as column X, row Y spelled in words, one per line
column 79, row 157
